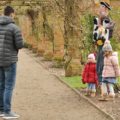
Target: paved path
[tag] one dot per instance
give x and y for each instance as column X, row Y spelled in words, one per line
column 40, row 96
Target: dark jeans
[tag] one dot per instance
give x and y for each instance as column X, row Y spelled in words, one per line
column 7, row 83
column 100, row 62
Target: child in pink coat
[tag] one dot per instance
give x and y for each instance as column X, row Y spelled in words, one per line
column 110, row 72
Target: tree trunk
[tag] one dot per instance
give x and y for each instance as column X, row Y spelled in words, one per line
column 72, row 38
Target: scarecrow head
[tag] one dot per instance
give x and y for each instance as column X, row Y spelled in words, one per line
column 104, row 9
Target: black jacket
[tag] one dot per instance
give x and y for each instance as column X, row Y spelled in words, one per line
column 10, row 41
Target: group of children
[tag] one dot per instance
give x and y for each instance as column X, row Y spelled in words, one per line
column 109, row 74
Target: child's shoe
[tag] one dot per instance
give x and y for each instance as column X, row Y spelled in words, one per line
column 88, row 93
column 104, row 97
column 10, row 115
column 1, row 114
column 111, row 97
column 93, row 94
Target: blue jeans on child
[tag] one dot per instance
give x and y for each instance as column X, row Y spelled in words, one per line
column 105, row 88
column 7, row 83
column 92, row 87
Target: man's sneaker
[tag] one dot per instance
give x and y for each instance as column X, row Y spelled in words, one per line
column 1, row 114
column 11, row 115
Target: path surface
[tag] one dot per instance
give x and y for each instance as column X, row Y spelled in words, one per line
column 40, row 96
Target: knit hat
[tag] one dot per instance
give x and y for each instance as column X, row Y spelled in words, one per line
column 107, row 46
column 91, row 56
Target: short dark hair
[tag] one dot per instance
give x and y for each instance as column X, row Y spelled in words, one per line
column 8, row 10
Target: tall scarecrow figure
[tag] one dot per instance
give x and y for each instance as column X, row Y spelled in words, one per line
column 103, row 29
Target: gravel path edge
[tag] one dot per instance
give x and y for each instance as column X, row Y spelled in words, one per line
column 85, row 98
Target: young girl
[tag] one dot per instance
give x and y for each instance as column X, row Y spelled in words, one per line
column 89, row 75
column 110, row 72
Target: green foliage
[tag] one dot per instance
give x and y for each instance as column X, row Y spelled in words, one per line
column 58, row 58
column 115, row 15
column 87, row 35
column 75, row 81
column 58, row 62
column 17, row 20
column 115, row 44
column 48, row 56
column 27, row 45
column 87, row 28
column 33, row 15
column 48, row 31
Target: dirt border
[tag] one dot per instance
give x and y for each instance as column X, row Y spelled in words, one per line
column 85, row 98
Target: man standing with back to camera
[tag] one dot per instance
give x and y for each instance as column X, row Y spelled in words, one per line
column 10, row 42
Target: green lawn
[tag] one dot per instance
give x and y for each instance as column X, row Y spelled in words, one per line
column 75, row 81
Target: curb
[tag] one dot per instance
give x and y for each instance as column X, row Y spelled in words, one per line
column 85, row 98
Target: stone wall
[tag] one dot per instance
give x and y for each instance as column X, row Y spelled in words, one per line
column 55, row 29
column 42, row 24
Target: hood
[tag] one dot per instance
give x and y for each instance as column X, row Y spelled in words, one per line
column 4, row 20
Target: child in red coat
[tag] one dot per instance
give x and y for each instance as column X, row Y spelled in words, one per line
column 89, row 75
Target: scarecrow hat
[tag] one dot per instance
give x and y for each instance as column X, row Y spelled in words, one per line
column 106, row 5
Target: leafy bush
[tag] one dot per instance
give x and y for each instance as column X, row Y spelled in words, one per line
column 87, row 36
